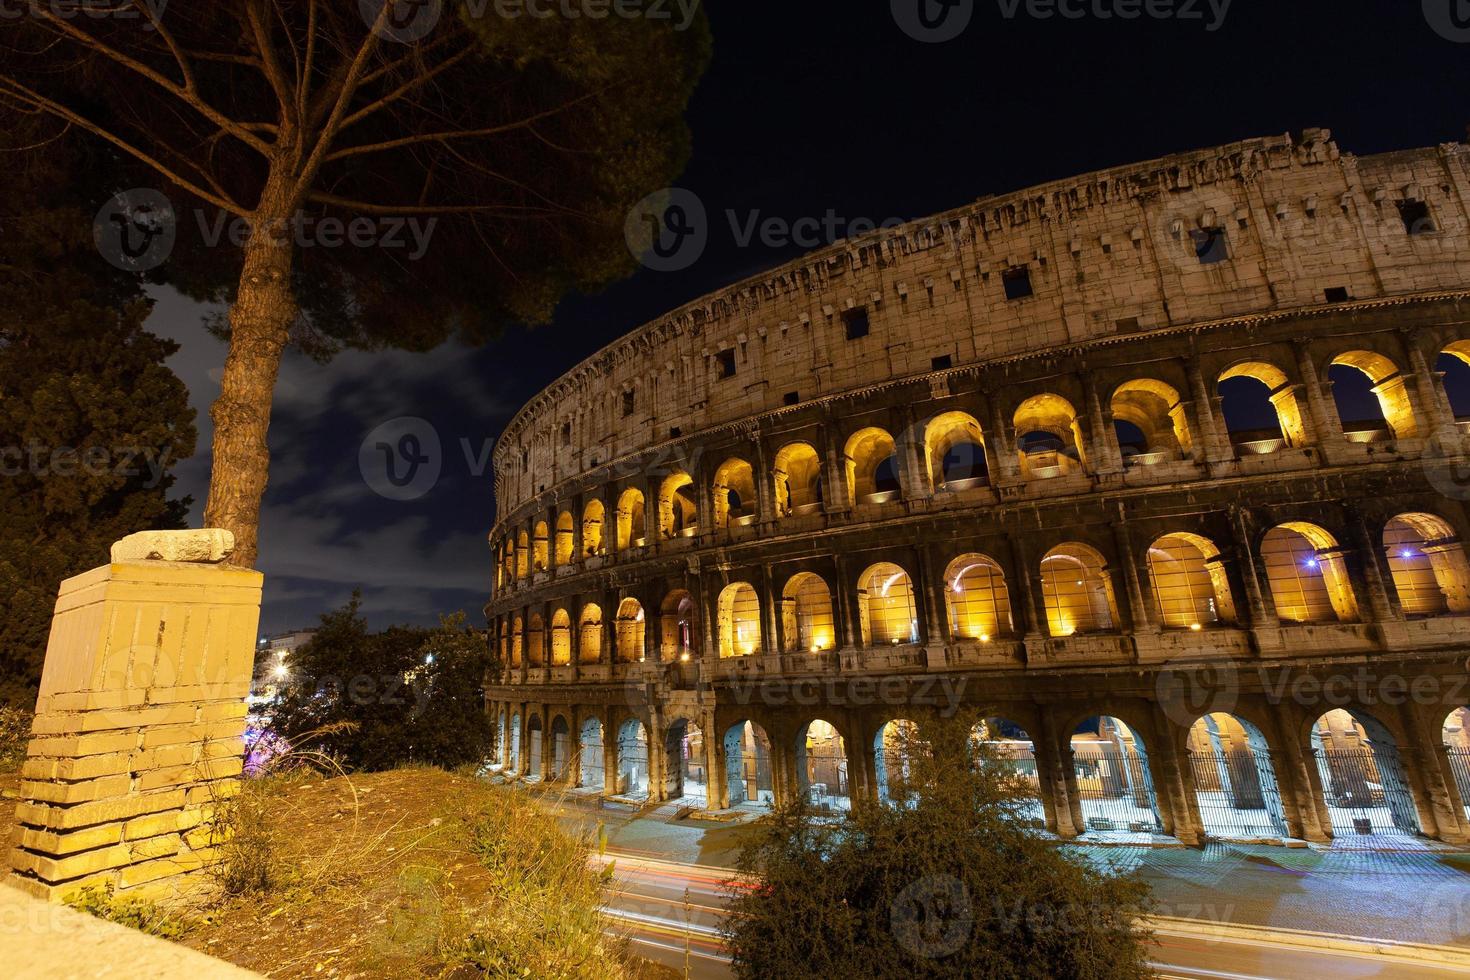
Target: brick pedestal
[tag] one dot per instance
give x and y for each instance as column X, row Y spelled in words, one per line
column 140, row 722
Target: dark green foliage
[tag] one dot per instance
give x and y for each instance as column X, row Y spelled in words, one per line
column 948, row 884
column 90, row 418
column 405, row 695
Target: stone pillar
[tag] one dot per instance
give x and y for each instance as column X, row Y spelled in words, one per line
column 765, row 488
column 913, row 465
column 1371, row 582
column 1326, row 426
column 609, row 758
column 1032, row 624
column 140, row 720
column 1000, row 449
column 1138, row 612
column 1211, row 432
column 1103, row 454
column 770, row 604
column 1260, row 609
column 1435, row 415
column 836, row 494
column 1053, row 763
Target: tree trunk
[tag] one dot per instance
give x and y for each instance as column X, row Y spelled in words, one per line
column 260, row 322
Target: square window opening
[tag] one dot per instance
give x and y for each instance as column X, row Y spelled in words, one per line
column 855, row 322
column 1017, row 282
column 726, row 361
column 1211, row 245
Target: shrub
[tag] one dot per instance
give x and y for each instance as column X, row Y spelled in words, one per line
column 946, row 882
column 15, row 736
column 134, row 913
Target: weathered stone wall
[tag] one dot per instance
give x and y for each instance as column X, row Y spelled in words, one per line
column 140, row 719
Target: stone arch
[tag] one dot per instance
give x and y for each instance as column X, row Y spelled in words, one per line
column 561, row 748
column 541, row 548
column 632, row 756
column 1048, row 437
column 1307, row 574
column 1010, row 744
column 1190, row 586
column 1244, row 398
column 534, row 746
column 871, row 459
column 807, row 623
column 686, row 773
column 886, row 611
column 822, row 776
column 1076, row 590
column 589, row 640
column 562, row 554
column 740, row 620
column 977, row 598
column 797, row 475
column 1363, row 778
column 591, row 767
column 1388, row 386
column 893, row 745
column 536, row 641
column 1234, row 781
column 630, row 628
column 631, row 511
column 513, row 747
column 954, row 446
column 1114, row 782
column 678, row 626
column 594, row 519
column 1453, row 364
column 523, row 556
column 1427, row 565
column 1455, row 736
column 561, row 638
column 748, row 774
column 517, row 641
column 1154, row 409
column 734, row 494
column 678, row 514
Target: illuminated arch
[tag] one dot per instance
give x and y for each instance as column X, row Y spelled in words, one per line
column 734, row 493
column 562, row 554
column 975, row 594
column 1307, row 575
column 1388, row 386
column 594, row 519
column 678, row 631
column 523, row 556
column 630, row 629
column 1362, row 774
column 893, row 751
column 630, row 520
column 798, row 478
column 1283, row 402
column 872, row 463
column 1234, row 781
column 1189, row 582
column 561, row 638
column 954, row 445
column 740, row 620
column 886, row 606
column 677, row 512
column 540, row 548
column 589, row 640
column 806, row 614
column 822, row 776
column 1076, row 589
column 1048, row 436
column 536, row 641
column 517, row 641
column 1428, row 565
column 1155, row 410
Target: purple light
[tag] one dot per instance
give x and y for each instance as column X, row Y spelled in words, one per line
column 1311, row 563
column 1406, row 553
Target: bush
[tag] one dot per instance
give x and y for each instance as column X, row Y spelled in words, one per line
column 945, row 883
column 148, row 917
column 375, row 701
column 15, row 737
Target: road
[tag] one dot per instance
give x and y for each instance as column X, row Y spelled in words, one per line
column 672, row 911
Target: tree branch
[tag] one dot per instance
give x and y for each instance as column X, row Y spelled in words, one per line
column 450, row 134
column 368, row 207
column 415, row 82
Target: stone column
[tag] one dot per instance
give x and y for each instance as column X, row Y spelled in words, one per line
column 1053, row 762
column 1211, row 432
column 140, row 720
column 1103, row 454
column 1371, row 582
column 913, row 467
column 1435, row 415
column 1322, row 411
column 1260, row 608
column 770, row 611
column 609, row 758
column 1032, row 623
column 1138, row 612
column 836, row 494
column 1000, row 449
column 765, row 489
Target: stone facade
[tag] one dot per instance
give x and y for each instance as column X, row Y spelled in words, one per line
column 984, row 460
column 140, row 720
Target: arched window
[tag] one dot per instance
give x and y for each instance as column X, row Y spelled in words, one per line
column 676, row 625
column 630, row 520
column 740, row 620
column 563, row 550
column 523, row 556
column 1049, row 437
column 540, row 549
column 798, row 479
column 955, row 449
column 1307, row 575
column 734, row 493
column 1150, row 422
column 1076, row 591
column 536, row 641
column 806, row 614
column 517, row 642
column 630, row 631
column 1454, row 364
column 1189, row 582
column 872, row 466
column 677, row 513
column 593, row 519
column 590, row 640
column 1428, row 565
column 1382, row 401
column 561, row 638
column 1261, row 410
column 975, row 593
column 886, row 606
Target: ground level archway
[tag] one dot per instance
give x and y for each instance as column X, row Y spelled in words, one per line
column 748, row 775
column 1234, row 782
column 1114, row 785
column 1011, row 745
column 1362, row 773
column 633, row 760
column 591, row 769
column 821, row 767
column 686, row 773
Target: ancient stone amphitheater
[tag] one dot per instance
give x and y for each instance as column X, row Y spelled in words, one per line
column 1156, row 468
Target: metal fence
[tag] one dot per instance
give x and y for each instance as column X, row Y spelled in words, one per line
column 1237, row 793
column 1115, row 788
column 1460, row 766
column 1365, row 792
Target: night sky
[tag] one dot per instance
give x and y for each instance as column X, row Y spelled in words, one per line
column 809, row 108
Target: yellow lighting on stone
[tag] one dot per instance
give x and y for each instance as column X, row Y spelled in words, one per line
column 1195, row 626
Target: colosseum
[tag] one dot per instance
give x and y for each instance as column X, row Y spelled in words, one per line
column 1158, row 470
